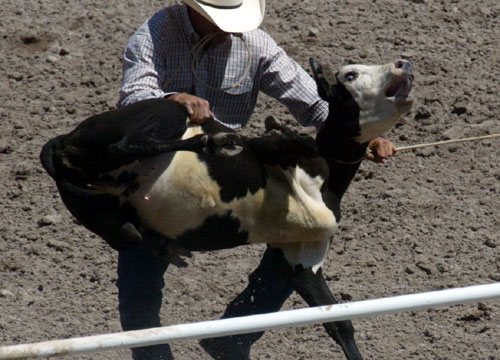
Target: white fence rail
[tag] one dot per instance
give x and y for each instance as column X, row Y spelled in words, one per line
column 253, row 323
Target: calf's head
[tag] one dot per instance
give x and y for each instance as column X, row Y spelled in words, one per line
column 365, row 100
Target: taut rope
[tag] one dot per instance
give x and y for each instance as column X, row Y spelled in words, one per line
column 453, row 141
column 444, row 142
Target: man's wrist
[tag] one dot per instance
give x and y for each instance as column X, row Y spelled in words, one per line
column 169, row 95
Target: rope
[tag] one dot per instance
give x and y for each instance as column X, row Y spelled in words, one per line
column 197, row 53
column 453, row 141
column 348, row 162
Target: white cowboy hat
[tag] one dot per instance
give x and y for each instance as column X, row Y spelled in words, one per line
column 234, row 16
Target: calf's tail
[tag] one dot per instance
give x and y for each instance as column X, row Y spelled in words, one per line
column 65, row 187
column 47, row 155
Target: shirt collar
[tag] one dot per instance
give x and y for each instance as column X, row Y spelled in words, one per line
column 191, row 34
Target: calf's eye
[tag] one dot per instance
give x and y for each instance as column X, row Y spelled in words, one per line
column 350, row 76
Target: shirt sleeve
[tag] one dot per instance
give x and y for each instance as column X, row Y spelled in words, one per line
column 143, row 69
column 286, row 81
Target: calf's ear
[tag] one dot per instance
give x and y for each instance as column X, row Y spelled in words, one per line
column 326, row 90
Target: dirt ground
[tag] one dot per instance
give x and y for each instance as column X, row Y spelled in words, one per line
column 427, row 220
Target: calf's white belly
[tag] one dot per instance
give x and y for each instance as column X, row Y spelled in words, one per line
column 181, row 196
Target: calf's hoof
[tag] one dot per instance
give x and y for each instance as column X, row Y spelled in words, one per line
column 171, row 252
column 271, row 123
column 165, row 248
column 272, row 135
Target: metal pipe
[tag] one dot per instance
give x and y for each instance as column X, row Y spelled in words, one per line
column 248, row 324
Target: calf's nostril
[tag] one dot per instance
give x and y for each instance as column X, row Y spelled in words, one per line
column 405, row 65
column 399, row 64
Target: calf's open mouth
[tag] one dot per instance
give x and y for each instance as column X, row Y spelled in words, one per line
column 400, row 87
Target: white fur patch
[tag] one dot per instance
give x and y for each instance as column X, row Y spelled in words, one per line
column 306, row 254
column 179, row 194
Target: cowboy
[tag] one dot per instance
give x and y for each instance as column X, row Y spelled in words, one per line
column 210, row 56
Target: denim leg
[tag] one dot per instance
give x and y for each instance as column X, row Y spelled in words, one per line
column 266, row 292
column 140, row 283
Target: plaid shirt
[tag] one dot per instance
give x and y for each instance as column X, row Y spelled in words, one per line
column 157, row 62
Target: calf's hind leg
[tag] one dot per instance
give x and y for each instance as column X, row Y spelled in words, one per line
column 117, row 223
column 301, row 265
column 222, row 144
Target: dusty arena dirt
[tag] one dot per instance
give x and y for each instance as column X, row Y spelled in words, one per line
column 427, row 220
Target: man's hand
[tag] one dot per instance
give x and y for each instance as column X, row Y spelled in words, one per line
column 198, row 108
column 380, row 150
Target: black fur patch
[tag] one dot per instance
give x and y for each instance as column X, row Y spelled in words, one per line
column 236, row 175
column 102, row 214
column 217, row 232
column 129, row 180
column 86, row 149
column 341, row 127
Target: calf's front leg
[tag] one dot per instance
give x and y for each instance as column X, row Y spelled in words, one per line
column 301, row 265
column 281, row 146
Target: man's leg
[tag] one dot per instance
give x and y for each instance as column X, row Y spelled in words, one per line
column 140, row 283
column 266, row 292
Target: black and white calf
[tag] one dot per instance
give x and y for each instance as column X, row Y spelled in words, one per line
column 142, row 176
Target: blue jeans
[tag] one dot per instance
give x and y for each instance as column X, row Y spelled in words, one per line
column 140, row 283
